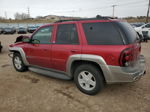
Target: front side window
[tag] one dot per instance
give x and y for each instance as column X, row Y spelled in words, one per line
column 102, row 33
column 67, row 34
column 43, row 35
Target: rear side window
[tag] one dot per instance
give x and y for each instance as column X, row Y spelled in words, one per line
column 67, row 34
column 130, row 34
column 102, row 33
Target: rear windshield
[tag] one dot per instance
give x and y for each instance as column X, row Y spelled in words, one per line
column 102, row 33
column 130, row 34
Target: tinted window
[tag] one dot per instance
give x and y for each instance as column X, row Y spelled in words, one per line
column 67, row 34
column 43, row 35
column 147, row 26
column 102, row 33
column 130, row 34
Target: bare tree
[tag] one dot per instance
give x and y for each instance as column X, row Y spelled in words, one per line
column 21, row 16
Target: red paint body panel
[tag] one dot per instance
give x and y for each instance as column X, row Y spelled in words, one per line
column 39, row 54
column 56, row 55
column 61, row 53
column 109, row 53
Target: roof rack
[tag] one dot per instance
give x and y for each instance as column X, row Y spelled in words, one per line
column 98, row 17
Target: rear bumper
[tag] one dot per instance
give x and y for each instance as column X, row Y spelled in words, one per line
column 127, row 74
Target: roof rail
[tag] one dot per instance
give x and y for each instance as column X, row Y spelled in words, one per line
column 98, row 17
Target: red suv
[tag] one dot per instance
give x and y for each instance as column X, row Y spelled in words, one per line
column 93, row 52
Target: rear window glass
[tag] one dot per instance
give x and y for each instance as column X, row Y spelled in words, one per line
column 102, row 33
column 130, row 34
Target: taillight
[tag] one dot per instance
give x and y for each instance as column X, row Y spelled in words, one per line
column 126, row 57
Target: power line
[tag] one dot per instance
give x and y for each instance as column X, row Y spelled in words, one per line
column 129, row 3
column 119, row 5
column 134, row 5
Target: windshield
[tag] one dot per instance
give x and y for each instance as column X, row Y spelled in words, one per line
column 22, row 28
column 7, row 28
column 138, row 25
column 32, row 27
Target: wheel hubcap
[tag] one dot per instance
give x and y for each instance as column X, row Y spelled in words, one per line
column 86, row 80
column 17, row 62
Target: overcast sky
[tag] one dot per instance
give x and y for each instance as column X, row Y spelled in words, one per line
column 82, row 8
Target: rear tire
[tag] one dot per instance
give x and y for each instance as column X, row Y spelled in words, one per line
column 18, row 63
column 89, row 79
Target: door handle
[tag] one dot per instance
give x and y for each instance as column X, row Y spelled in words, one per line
column 74, row 50
column 45, row 49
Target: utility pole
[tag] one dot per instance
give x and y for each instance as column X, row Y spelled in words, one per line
column 28, row 10
column 148, row 12
column 113, row 6
column 5, row 14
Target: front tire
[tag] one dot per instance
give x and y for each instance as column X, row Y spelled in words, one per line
column 89, row 79
column 18, row 63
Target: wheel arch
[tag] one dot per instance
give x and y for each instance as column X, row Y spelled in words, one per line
column 15, row 51
column 95, row 60
column 76, row 63
column 21, row 52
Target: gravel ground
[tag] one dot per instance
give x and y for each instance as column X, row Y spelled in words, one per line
column 31, row 92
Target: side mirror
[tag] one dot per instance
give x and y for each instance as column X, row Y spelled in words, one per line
column 143, row 27
column 35, row 41
column 26, row 40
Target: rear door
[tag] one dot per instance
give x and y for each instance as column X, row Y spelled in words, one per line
column 39, row 54
column 65, row 44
